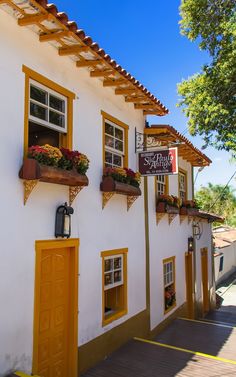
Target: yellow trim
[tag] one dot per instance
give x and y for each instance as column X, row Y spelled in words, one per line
column 47, row 82
column 126, row 135
column 66, row 140
column 207, row 323
column 183, row 171
column 205, row 282
column 121, row 313
column 72, row 244
column 185, row 350
column 189, row 284
column 167, row 260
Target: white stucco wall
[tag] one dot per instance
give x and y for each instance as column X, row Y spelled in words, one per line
column 98, row 229
column 229, row 264
column 204, row 241
column 167, row 241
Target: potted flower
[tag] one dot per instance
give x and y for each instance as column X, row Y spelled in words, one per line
column 167, row 204
column 189, row 208
column 55, row 165
column 169, row 297
column 121, row 180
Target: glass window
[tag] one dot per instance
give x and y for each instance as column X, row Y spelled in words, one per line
column 114, row 285
column 47, row 115
column 169, row 283
column 182, row 185
column 114, row 145
column 161, row 185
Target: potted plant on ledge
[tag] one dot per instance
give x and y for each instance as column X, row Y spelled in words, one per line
column 189, row 208
column 122, row 181
column 53, row 165
column 167, row 204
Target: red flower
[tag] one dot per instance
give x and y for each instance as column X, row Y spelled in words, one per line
column 130, row 173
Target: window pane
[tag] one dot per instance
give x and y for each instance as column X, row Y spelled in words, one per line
column 109, row 129
column 38, row 94
column 117, row 263
column 108, row 264
column 119, row 145
column 108, row 279
column 108, row 158
column 109, row 141
column 117, row 276
column 117, row 160
column 57, row 119
column 38, row 111
column 57, row 103
column 118, row 133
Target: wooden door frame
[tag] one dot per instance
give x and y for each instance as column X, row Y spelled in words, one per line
column 189, row 284
column 205, row 301
column 72, row 245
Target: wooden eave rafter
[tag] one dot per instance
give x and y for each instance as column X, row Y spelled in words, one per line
column 186, row 150
column 73, row 42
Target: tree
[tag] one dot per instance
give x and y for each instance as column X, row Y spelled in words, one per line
column 218, row 199
column 209, row 97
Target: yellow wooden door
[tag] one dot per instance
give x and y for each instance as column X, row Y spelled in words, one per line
column 189, row 284
column 53, row 305
column 205, row 291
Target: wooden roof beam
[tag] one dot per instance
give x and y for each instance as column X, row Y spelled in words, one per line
column 135, row 99
column 154, row 112
column 88, row 63
column 126, row 90
column 144, row 106
column 54, row 36
column 102, row 73
column 114, row 82
column 32, row 19
column 72, row 50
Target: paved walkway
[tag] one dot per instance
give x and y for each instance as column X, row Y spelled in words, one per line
column 187, row 348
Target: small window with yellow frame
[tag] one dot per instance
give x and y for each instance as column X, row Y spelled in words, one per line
column 115, row 142
column 183, row 194
column 114, row 285
column 48, row 112
column 161, row 182
column 169, row 283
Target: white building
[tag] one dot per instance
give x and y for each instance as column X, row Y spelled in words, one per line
column 108, row 282
column 225, row 252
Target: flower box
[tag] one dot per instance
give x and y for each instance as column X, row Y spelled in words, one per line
column 188, row 211
column 108, row 184
column 32, row 170
column 163, row 207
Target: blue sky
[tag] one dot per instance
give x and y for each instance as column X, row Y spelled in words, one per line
column 144, row 37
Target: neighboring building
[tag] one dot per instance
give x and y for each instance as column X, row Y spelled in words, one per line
column 225, row 252
column 122, row 273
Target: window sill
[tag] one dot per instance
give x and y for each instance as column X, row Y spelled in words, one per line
column 32, row 172
column 109, row 187
column 113, row 317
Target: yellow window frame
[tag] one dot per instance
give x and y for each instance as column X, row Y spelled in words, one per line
column 168, row 260
column 106, row 116
column 166, row 186
column 185, row 173
column 65, row 140
column 123, row 310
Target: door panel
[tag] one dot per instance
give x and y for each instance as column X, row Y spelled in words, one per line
column 55, row 330
column 205, row 291
column 189, row 284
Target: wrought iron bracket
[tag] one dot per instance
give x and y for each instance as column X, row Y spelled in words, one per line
column 182, row 218
column 159, row 216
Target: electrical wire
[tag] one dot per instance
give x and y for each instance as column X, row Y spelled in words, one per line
column 220, row 196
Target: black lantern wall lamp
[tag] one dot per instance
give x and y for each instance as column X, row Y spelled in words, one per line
column 190, row 244
column 63, row 221
column 197, row 231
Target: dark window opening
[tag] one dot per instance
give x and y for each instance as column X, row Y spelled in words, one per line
column 40, row 135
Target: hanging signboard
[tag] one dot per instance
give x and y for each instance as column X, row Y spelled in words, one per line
column 158, row 162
